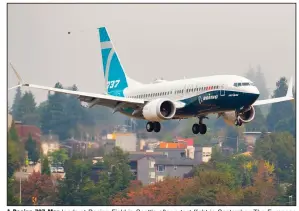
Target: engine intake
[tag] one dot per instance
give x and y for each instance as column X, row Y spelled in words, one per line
column 158, row 110
column 246, row 116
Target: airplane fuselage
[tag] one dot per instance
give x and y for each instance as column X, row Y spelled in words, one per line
column 212, row 94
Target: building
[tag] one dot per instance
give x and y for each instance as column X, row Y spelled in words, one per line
column 108, row 146
column 49, row 143
column 172, row 167
column 251, row 137
column 9, row 121
column 202, row 154
column 74, row 146
column 126, row 141
column 170, row 145
column 172, row 152
column 143, row 165
column 188, row 141
column 24, row 131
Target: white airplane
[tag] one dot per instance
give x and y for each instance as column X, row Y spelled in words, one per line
column 231, row 97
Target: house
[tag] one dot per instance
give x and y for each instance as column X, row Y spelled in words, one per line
column 74, row 146
column 172, row 167
column 202, row 154
column 126, row 141
column 190, row 146
column 188, row 141
column 171, row 145
column 143, row 165
column 108, row 146
column 251, row 137
column 172, row 152
column 24, row 131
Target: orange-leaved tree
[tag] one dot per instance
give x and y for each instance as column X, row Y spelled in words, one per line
column 40, row 186
column 165, row 192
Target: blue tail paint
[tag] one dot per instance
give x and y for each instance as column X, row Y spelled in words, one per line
column 114, row 74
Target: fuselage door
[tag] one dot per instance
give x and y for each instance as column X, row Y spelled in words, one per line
column 222, row 90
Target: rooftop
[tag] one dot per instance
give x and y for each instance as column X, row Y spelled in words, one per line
column 24, row 131
column 133, row 156
column 175, row 162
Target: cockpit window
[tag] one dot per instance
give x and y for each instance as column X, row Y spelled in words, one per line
column 245, row 84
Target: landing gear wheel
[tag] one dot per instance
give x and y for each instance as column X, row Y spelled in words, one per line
column 149, row 127
column 195, row 128
column 203, row 129
column 157, row 127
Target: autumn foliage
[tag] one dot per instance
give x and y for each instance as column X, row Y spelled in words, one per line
column 40, row 186
column 208, row 188
column 166, row 192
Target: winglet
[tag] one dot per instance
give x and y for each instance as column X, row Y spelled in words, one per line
column 20, row 80
column 290, row 88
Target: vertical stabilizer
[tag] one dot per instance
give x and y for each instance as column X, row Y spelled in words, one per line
column 115, row 76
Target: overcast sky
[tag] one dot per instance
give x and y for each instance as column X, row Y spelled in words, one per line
column 169, row 41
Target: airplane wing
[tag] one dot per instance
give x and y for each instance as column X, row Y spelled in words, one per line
column 93, row 99
column 288, row 97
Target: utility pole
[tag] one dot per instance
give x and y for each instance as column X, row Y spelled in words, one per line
column 237, row 144
column 290, row 200
column 20, row 190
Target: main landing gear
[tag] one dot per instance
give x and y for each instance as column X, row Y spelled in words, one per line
column 199, row 128
column 238, row 122
column 153, row 126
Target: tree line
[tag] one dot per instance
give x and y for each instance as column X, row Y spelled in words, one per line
column 265, row 178
column 62, row 114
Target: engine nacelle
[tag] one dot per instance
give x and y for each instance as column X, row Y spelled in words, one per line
column 246, row 116
column 158, row 110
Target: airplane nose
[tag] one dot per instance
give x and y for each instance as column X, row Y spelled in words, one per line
column 255, row 90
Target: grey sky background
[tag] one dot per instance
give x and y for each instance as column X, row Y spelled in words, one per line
column 169, row 41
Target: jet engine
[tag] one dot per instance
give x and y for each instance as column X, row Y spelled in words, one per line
column 245, row 116
column 158, row 110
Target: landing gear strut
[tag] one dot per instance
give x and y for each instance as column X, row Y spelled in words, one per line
column 199, row 128
column 238, row 122
column 153, row 126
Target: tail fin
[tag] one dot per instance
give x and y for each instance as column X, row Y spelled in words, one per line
column 115, row 76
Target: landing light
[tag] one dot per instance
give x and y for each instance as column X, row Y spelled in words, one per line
column 84, row 104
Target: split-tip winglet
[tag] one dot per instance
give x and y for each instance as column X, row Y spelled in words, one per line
column 290, row 88
column 20, row 80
